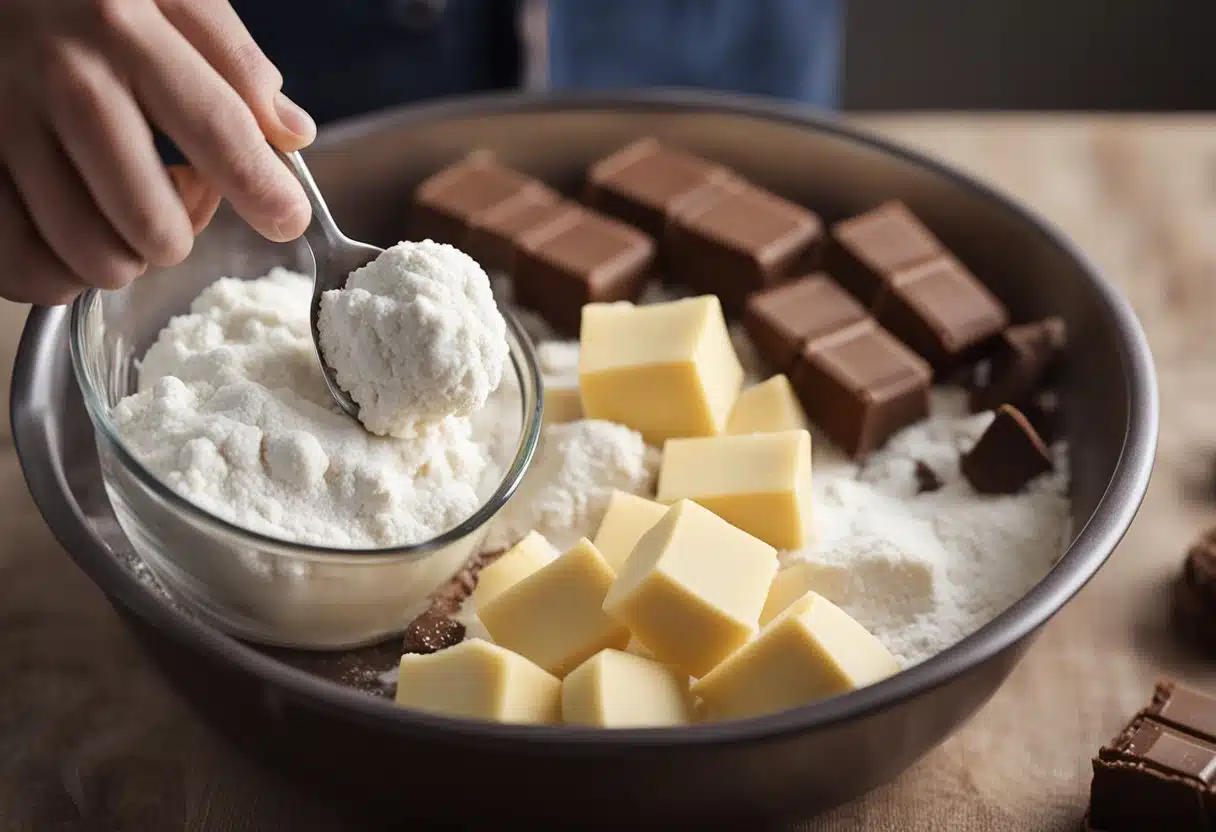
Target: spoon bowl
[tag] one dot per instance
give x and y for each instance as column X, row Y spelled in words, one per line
column 334, row 257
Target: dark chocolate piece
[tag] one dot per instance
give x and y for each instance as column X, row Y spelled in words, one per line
column 1008, row 455
column 583, row 258
column 493, row 238
column 926, row 478
column 1195, row 592
column 939, row 309
column 860, row 385
column 645, row 183
column 781, row 319
column 738, row 239
column 1021, row 360
column 866, row 250
column 1159, row 772
column 450, row 201
column 431, row 632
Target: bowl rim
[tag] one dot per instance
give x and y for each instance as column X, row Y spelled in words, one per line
column 1090, row 548
column 532, row 404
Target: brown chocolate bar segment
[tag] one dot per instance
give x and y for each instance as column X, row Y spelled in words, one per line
column 583, row 258
column 446, row 204
column 644, row 183
column 1008, row 455
column 781, row 319
column 860, row 385
column 738, row 239
column 941, row 310
column 1184, row 709
column 494, row 235
column 1022, row 358
column 866, row 250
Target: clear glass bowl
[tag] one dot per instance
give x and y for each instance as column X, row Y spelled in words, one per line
column 254, row 586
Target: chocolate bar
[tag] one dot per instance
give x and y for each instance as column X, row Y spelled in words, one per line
column 1009, row 454
column 1021, row 361
column 860, row 385
column 866, row 250
column 450, row 201
column 781, row 319
column 1159, row 773
column 939, row 309
column 645, row 183
column 582, row 258
column 494, row 235
column 737, row 239
column 1195, row 591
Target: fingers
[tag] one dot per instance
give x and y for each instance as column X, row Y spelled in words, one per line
column 221, row 38
column 199, row 198
column 213, row 126
column 31, row 273
column 105, row 135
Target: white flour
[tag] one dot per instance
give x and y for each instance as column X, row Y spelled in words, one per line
column 415, row 337
column 232, row 412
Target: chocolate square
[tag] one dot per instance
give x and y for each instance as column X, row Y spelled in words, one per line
column 644, row 183
column 446, row 204
column 860, row 385
column 493, row 238
column 941, row 310
column 781, row 319
column 582, row 258
column 1007, row 456
column 737, row 239
column 1021, row 361
column 866, row 250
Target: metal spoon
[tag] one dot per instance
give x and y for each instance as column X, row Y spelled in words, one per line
column 334, row 257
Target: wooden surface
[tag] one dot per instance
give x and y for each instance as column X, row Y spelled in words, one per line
column 91, row 739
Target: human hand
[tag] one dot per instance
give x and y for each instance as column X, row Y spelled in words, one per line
column 84, row 198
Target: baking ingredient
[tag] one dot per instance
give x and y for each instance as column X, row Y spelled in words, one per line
column 1008, row 455
column 760, row 482
column 666, row 369
column 628, row 517
column 232, row 413
column 767, row 407
column 414, row 337
column 693, row 588
column 811, row 651
column 613, row 689
column 479, row 680
column 512, row 566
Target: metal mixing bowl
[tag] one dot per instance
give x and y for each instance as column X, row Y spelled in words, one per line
column 411, row 766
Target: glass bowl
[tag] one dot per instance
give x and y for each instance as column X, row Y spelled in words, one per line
column 253, row 586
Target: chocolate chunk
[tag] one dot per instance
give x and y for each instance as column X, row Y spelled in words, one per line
column 781, row 319
column 1195, row 592
column 926, row 478
column 582, row 258
column 866, row 250
column 494, row 235
column 1021, row 360
column 431, row 632
column 860, row 385
column 450, row 201
column 1160, row 771
column 644, row 183
column 940, row 310
column 739, row 239
column 1008, row 455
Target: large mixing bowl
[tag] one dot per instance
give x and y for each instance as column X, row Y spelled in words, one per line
column 411, row 766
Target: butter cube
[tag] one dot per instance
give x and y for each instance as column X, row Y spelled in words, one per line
column 664, row 369
column 512, row 566
column 563, row 402
column 620, row 690
column 693, row 588
column 555, row 616
column 811, row 651
column 790, row 584
column 479, row 680
column 769, row 407
column 628, row 517
column 760, row 483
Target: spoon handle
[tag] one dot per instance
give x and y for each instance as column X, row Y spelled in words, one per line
column 322, row 233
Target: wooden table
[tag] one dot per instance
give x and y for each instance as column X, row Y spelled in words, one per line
column 92, row 739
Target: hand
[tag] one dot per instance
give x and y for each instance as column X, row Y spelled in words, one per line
column 84, row 199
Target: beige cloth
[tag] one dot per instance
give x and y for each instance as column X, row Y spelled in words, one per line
column 92, row 739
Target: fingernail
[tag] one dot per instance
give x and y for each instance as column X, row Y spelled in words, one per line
column 294, row 119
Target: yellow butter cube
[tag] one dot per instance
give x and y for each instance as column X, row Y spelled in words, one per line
column 627, row 518
column 790, row 584
column 760, row 483
column 479, row 680
column 512, row 566
column 563, row 402
column 555, row 616
column 811, row 651
column 620, row 690
column 664, row 369
column 693, row 588
column 769, row 407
